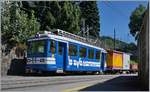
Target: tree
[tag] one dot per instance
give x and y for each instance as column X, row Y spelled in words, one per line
column 57, row 15
column 70, row 17
column 89, row 12
column 136, row 20
column 17, row 27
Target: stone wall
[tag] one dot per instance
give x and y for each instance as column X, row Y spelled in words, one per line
column 13, row 62
column 143, row 48
column 6, row 61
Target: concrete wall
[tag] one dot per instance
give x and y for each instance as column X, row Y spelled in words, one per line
column 143, row 48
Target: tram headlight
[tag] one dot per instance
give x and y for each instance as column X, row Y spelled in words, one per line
column 42, row 60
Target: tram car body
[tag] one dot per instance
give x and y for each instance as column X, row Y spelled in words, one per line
column 51, row 52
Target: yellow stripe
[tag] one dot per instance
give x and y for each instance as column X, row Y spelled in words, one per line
column 77, row 88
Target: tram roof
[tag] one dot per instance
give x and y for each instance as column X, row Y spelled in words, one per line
column 63, row 39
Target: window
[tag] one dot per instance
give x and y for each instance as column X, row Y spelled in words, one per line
column 52, row 46
column 98, row 55
column 82, row 52
column 91, row 53
column 72, row 50
column 60, row 48
column 36, row 47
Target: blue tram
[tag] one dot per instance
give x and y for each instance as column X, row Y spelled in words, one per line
column 53, row 52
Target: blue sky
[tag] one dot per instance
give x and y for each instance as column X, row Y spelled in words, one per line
column 116, row 14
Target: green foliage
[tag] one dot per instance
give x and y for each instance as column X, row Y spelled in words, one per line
column 89, row 12
column 136, row 20
column 26, row 26
column 70, row 17
column 120, row 45
column 133, row 62
column 63, row 15
column 109, row 43
column 16, row 26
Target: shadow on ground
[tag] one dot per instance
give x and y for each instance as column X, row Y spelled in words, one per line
column 122, row 83
column 17, row 67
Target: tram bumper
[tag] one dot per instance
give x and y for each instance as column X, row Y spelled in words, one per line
column 41, row 67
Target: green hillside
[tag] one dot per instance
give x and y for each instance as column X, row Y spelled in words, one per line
column 108, row 43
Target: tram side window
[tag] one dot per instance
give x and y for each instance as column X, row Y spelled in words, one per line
column 72, row 50
column 82, row 52
column 60, row 51
column 52, row 46
column 98, row 54
column 91, row 53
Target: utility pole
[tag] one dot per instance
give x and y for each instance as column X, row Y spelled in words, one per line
column 87, row 31
column 83, row 29
column 114, row 37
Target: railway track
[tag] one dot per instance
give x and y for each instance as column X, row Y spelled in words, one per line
column 21, row 82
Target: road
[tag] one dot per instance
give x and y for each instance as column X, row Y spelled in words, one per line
column 57, row 83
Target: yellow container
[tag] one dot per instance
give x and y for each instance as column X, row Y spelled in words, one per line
column 114, row 59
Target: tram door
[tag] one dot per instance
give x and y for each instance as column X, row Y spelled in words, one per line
column 60, row 61
column 103, row 57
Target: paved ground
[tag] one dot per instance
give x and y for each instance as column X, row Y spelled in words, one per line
column 121, row 83
column 72, row 83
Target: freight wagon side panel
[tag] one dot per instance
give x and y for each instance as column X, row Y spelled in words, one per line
column 117, row 60
column 126, row 61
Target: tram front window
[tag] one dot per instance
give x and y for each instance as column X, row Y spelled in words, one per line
column 36, row 47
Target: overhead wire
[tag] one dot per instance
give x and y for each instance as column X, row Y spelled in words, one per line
column 115, row 9
column 119, row 11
